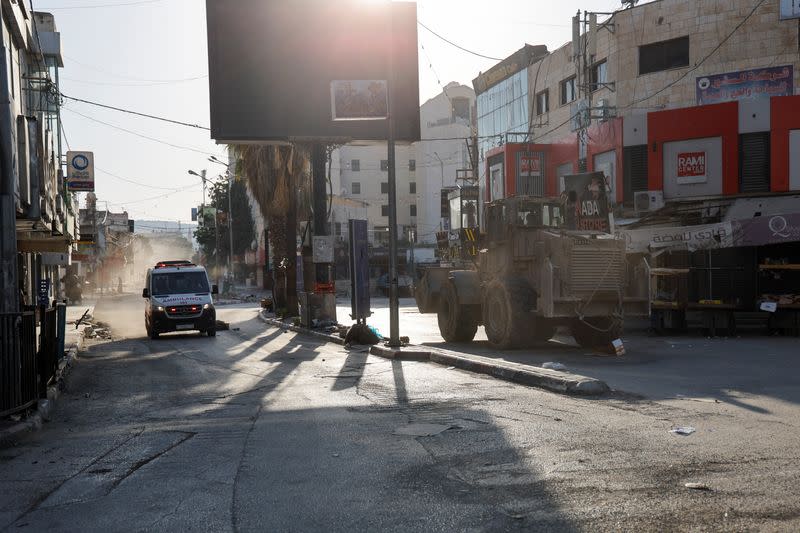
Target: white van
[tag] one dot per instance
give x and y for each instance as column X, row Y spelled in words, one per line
column 178, row 298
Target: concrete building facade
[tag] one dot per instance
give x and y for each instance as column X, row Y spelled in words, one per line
column 36, row 206
column 650, row 59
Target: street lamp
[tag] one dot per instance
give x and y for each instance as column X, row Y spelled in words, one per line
column 202, row 176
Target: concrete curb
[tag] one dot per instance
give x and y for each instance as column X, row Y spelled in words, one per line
column 552, row 380
column 44, row 407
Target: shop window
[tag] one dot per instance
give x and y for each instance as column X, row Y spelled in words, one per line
column 664, row 55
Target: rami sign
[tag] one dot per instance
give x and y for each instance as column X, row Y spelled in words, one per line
column 691, row 167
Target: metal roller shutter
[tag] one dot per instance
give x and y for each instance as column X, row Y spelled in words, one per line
column 634, row 170
column 754, row 162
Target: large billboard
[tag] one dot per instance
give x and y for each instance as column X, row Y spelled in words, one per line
column 306, row 70
column 754, row 83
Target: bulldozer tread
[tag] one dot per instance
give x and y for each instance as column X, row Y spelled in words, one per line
column 457, row 323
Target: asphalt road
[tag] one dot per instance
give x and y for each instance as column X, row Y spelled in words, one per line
column 262, row 430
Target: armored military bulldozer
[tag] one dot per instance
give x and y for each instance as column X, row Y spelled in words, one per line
column 533, row 274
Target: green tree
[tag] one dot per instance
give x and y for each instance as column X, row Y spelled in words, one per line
column 280, row 180
column 215, row 240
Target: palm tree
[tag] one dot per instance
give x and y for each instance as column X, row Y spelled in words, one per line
column 279, row 178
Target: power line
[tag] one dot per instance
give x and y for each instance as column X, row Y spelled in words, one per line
column 97, row 6
column 136, row 182
column 137, row 134
column 456, row 45
column 130, row 84
column 697, row 65
column 132, row 78
column 64, row 133
column 137, row 113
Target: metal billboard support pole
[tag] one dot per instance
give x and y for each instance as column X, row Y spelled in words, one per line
column 394, row 301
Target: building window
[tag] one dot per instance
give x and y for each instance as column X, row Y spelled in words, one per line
column 384, row 188
column 412, row 187
column 412, row 165
column 598, row 75
column 381, row 234
column 460, row 109
column 568, row 90
column 355, row 187
column 543, row 102
column 412, row 209
column 384, row 210
column 355, row 165
column 384, row 164
column 337, row 229
column 664, row 55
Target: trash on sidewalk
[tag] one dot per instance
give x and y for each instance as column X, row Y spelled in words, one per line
column 361, row 334
column 697, row 486
column 554, row 366
column 683, row 430
column 266, row 303
column 421, row 430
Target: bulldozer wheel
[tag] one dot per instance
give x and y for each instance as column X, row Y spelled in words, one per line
column 588, row 337
column 506, row 317
column 457, row 323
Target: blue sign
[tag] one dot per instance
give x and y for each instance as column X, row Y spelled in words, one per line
column 755, row 83
column 359, row 270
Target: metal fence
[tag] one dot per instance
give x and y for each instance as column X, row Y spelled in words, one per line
column 18, row 362
column 48, row 348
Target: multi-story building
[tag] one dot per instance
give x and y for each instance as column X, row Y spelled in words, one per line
column 651, row 82
column 363, row 175
column 447, row 125
column 37, row 242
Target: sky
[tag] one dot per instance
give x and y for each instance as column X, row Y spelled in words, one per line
column 150, row 56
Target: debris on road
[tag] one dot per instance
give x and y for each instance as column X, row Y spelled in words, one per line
column 683, row 430
column 554, row 366
column 421, row 430
column 222, row 325
column 361, row 334
column 697, row 486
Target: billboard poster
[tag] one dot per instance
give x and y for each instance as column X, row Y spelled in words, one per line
column 80, row 171
column 359, row 100
column 691, row 167
column 586, row 202
column 754, row 83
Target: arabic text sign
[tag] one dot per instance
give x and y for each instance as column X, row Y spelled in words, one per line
column 755, row 83
column 80, row 171
column 700, row 237
column 530, row 164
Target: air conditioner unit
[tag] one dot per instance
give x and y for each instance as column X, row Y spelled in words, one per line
column 646, row 201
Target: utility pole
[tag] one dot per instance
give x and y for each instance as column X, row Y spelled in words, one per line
column 9, row 283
